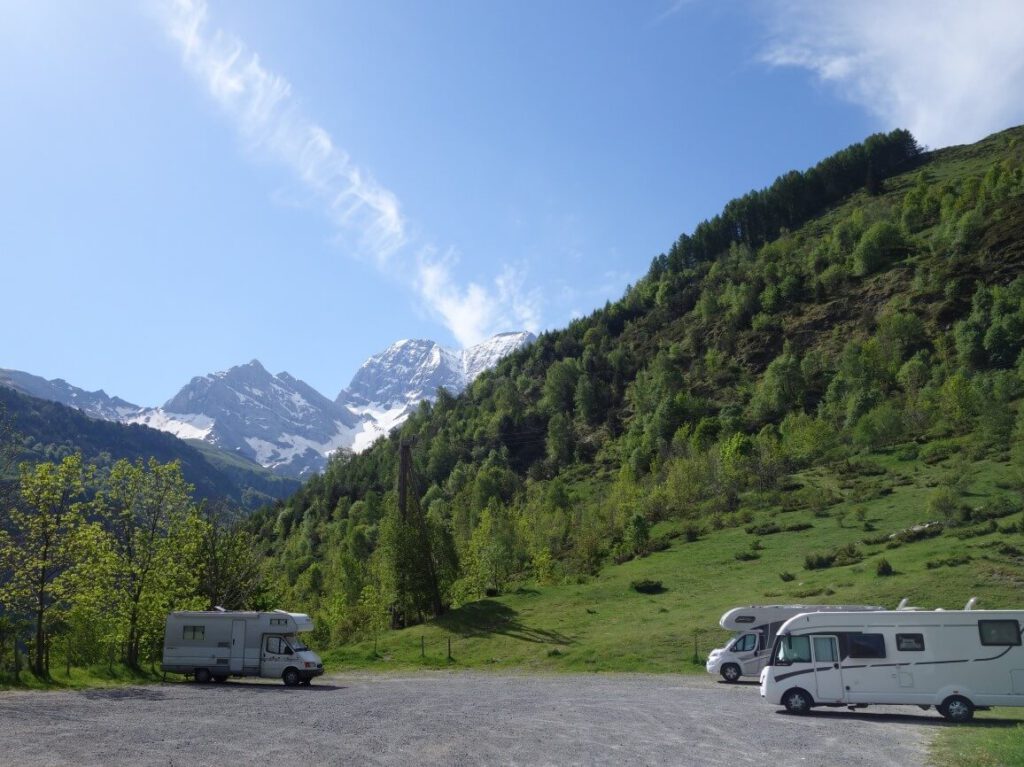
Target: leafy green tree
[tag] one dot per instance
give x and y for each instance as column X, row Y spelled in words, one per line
column 40, row 546
column 559, row 442
column 878, row 247
column 780, row 389
column 154, row 531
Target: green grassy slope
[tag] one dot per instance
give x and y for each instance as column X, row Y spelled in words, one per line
column 602, row 624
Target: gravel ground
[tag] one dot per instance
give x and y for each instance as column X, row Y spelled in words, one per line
column 450, row 719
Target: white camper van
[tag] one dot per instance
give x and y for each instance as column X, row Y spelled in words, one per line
column 754, row 630
column 218, row 644
column 956, row 660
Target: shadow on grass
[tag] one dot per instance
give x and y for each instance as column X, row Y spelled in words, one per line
column 487, row 617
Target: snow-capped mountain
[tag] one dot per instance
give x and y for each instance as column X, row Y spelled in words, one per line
column 278, row 421
column 389, row 386
column 96, row 404
column 283, row 423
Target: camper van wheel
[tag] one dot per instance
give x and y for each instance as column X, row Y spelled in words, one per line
column 220, row 678
column 291, row 677
column 797, row 701
column 202, row 675
column 957, row 709
column 730, row 672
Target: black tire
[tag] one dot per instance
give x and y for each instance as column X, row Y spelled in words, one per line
column 956, row 708
column 203, row 675
column 291, row 677
column 797, row 701
column 307, row 682
column 220, row 678
column 731, row 672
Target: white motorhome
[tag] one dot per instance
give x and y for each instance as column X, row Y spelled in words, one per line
column 220, row 643
column 956, row 660
column 754, row 628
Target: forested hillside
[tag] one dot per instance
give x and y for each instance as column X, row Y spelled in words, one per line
column 871, row 305
column 48, row 431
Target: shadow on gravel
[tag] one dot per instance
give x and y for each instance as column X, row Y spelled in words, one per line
column 257, row 687
column 740, row 683
column 128, row 693
column 922, row 718
column 486, row 617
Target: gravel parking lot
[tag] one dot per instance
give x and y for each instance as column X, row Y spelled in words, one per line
column 450, row 719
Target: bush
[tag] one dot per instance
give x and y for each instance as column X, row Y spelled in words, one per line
column 878, row 247
column 883, row 568
column 839, row 557
column 787, row 576
column 955, row 561
column 746, row 556
column 647, row 586
column 692, row 532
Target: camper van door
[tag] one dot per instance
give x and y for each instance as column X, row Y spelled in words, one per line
column 237, row 646
column 828, row 677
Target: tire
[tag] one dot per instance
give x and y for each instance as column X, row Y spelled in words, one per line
column 307, row 682
column 731, row 672
column 797, row 701
column 957, row 709
column 202, row 675
column 220, row 678
column 291, row 677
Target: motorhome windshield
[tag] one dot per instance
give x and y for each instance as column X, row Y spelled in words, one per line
column 296, row 643
column 791, row 649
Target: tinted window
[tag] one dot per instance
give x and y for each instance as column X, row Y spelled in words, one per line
column 824, row 649
column 194, row 632
column 745, row 618
column 999, row 632
column 909, row 642
column 867, row 646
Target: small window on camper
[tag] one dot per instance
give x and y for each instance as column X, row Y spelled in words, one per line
column 194, row 633
column 910, row 642
column 1005, row 632
column 745, row 618
column 278, row 621
column 867, row 646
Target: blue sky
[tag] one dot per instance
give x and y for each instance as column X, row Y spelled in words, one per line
column 190, row 185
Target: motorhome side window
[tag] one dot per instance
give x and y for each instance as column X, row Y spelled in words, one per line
column 910, row 642
column 1002, row 632
column 194, row 633
column 867, row 646
column 793, row 650
column 745, row 643
column 278, row 621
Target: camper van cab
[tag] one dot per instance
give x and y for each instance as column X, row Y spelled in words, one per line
column 218, row 644
column 754, row 630
column 956, row 660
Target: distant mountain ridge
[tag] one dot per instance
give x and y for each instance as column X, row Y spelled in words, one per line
column 281, row 422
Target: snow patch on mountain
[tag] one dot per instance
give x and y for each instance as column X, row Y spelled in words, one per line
column 181, row 425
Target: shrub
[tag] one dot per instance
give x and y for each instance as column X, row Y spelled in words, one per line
column 883, row 567
column 954, row 561
column 746, row 556
column 692, row 532
column 878, row 247
column 787, row 576
column 647, row 586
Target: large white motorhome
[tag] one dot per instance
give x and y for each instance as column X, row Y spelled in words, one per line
column 220, row 643
column 754, row 628
column 955, row 660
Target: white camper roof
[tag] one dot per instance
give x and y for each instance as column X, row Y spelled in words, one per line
column 888, row 619
column 740, row 618
column 296, row 622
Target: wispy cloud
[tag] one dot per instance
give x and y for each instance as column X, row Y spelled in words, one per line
column 366, row 216
column 474, row 312
column 948, row 70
